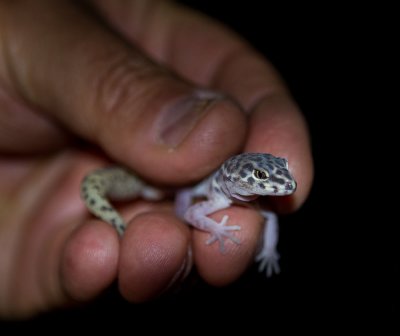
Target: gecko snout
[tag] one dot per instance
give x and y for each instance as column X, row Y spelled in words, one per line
column 290, row 186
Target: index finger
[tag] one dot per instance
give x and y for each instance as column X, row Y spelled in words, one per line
column 207, row 53
column 223, row 61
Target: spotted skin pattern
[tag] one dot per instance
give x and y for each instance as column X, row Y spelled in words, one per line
column 240, row 179
column 117, row 184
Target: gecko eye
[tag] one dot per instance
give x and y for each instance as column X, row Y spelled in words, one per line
column 260, row 175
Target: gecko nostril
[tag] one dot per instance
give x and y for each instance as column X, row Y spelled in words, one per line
column 289, row 186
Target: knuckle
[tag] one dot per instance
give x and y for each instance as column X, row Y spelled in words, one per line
column 122, row 82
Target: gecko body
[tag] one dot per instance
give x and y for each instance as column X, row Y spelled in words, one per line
column 240, row 179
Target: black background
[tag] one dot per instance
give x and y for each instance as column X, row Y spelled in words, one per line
column 330, row 269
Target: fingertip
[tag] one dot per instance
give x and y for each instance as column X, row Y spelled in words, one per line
column 90, row 260
column 153, row 252
column 278, row 127
column 220, row 269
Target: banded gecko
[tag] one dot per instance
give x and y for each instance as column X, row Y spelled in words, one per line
column 240, row 179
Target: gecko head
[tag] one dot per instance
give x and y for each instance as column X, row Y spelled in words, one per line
column 259, row 174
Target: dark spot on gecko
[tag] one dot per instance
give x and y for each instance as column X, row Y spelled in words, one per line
column 97, row 187
column 85, row 196
column 217, row 190
column 250, row 180
column 243, row 174
column 106, row 208
column 92, row 201
column 287, row 175
column 261, row 185
column 280, row 162
column 270, row 166
column 275, row 189
column 248, row 167
column 277, row 180
column 84, row 189
column 278, row 172
column 228, row 176
column 113, row 221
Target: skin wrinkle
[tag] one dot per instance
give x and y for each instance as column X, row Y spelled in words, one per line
column 115, row 87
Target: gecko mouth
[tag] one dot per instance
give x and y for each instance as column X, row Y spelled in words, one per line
column 246, row 198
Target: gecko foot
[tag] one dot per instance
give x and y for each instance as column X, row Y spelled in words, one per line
column 269, row 262
column 220, row 231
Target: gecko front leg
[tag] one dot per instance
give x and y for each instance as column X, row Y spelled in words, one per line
column 196, row 215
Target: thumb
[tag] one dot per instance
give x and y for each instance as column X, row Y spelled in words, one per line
column 62, row 61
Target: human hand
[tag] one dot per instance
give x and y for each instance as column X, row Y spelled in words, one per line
column 64, row 75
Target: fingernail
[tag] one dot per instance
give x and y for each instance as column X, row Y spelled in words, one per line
column 179, row 118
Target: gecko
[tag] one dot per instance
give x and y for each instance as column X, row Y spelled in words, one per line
column 240, row 179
